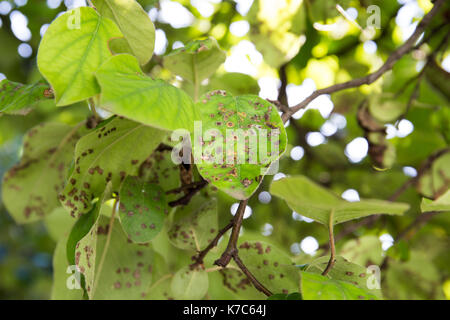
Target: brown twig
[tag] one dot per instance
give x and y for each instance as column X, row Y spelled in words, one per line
column 370, row 78
column 231, row 252
column 232, row 243
column 202, row 254
column 258, row 285
column 187, row 197
column 186, row 187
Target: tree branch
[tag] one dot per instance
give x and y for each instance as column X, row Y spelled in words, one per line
column 192, row 191
column 202, row 254
column 232, row 243
column 370, row 78
column 258, row 285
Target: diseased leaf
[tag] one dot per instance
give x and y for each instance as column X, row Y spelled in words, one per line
column 198, row 229
column 416, row 279
column 135, row 24
column 17, row 98
column 239, row 285
column 143, row 209
column 159, row 169
column 441, row 204
column 30, row 189
column 126, row 272
column 189, row 284
column 317, row 287
column 344, row 270
column 84, row 224
column 109, row 153
column 364, row 251
column 315, row 202
column 72, row 49
column 128, row 92
column 197, row 61
column 161, row 289
column 223, row 156
column 63, row 280
column 271, row 266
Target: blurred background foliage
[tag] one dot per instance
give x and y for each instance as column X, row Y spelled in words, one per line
column 282, row 50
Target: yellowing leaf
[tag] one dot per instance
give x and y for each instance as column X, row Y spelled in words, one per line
column 72, row 49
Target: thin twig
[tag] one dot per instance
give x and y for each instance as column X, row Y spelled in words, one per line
column 202, row 254
column 187, row 197
column 186, row 187
column 332, row 246
column 370, row 78
column 258, row 285
column 226, row 257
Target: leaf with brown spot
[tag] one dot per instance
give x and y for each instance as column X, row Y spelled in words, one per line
column 106, row 155
column 17, row 98
column 197, row 229
column 344, row 270
column 127, row 269
column 237, row 146
column 30, row 189
column 142, row 209
column 271, row 266
column 317, row 287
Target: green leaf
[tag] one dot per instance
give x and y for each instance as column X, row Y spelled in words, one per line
column 17, row 98
column 344, row 270
column 197, row 61
column 237, row 169
column 126, row 272
column 317, row 287
column 282, row 296
column 159, row 169
column 236, row 282
column 161, row 289
column 363, row 251
column 84, row 224
column 441, row 204
column 271, row 266
column 189, row 284
column 416, row 279
column 30, row 189
column 61, row 276
column 128, row 92
column 134, row 23
column 197, row 230
column 234, row 83
column 315, row 202
column 143, row 209
column 72, row 49
column 109, row 153
column 58, row 223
